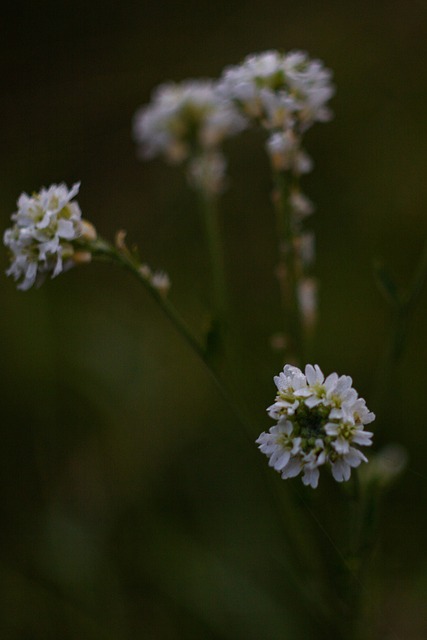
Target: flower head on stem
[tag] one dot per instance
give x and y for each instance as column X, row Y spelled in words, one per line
column 47, row 235
column 319, row 422
column 186, row 123
column 285, row 94
column 280, row 88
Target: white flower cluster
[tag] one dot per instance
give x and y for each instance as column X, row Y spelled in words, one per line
column 285, row 93
column 320, row 422
column 40, row 241
column 280, row 91
column 184, row 118
column 188, row 121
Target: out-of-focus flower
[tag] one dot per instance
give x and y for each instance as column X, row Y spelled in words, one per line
column 187, row 122
column 42, row 239
column 319, row 422
column 307, row 300
column 280, row 91
column 300, row 204
column 285, row 93
column 159, row 280
column 207, row 172
column 185, row 119
column 387, row 465
column 285, row 153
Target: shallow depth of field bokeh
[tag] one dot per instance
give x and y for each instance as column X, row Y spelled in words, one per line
column 132, row 503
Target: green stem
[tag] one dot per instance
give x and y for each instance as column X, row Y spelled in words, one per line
column 102, row 249
column 418, row 281
column 406, row 308
column 213, row 237
column 218, row 330
column 287, row 271
column 364, row 503
column 403, row 309
column 294, row 530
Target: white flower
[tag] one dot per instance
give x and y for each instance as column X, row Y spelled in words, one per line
column 386, row 465
column 285, row 153
column 311, row 463
column 185, row 119
column 207, row 172
column 159, row 280
column 305, row 248
column 280, row 91
column 341, row 466
column 300, row 204
column 320, row 422
column 41, row 240
column 307, row 300
column 289, row 446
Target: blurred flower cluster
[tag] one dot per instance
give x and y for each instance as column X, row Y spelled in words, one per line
column 285, row 94
column 188, row 122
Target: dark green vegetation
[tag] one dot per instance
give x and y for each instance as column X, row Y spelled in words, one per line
column 133, row 504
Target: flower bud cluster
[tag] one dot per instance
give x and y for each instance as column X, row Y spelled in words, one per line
column 42, row 239
column 319, row 422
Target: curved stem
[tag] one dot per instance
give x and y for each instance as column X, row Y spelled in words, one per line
column 293, row 528
column 102, row 249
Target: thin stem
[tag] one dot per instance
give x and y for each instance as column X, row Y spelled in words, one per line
column 403, row 309
column 420, row 276
column 407, row 306
column 213, row 238
column 103, row 249
column 294, row 530
column 363, row 523
column 287, row 271
column 354, row 585
column 219, row 326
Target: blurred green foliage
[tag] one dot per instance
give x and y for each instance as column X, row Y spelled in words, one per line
column 132, row 504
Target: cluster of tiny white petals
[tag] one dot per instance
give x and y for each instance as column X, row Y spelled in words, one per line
column 40, row 241
column 319, row 422
column 184, row 119
column 285, row 93
column 280, row 90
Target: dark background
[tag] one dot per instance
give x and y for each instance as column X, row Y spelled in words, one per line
column 132, row 504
